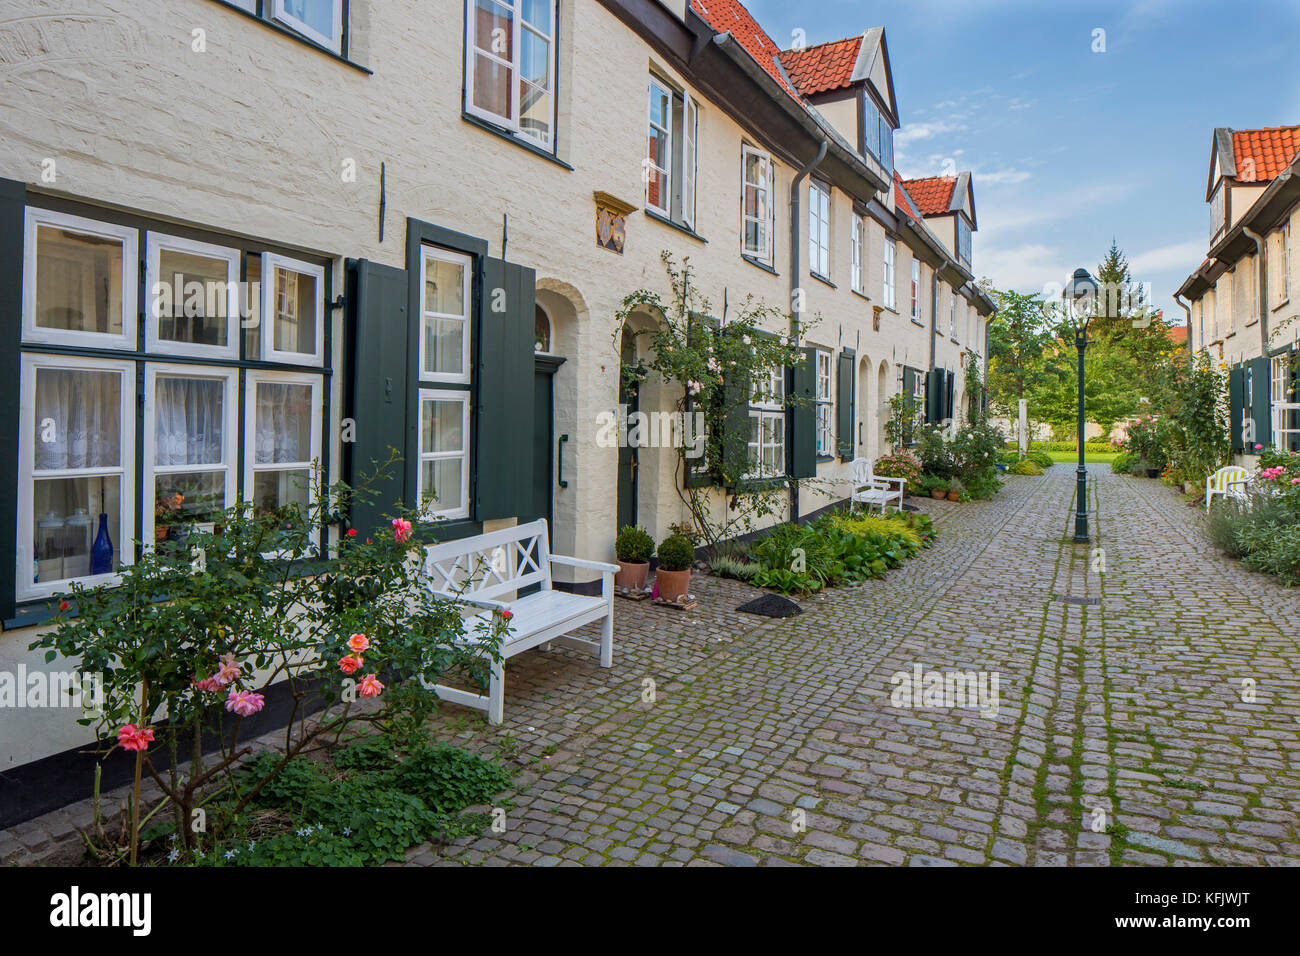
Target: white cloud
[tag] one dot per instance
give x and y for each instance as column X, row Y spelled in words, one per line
column 1178, row 256
column 1029, row 267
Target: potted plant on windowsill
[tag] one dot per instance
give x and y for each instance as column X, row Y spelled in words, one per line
column 955, row 488
column 633, row 548
column 676, row 555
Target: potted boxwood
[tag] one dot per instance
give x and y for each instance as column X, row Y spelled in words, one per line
column 633, row 548
column 955, row 488
column 676, row 555
column 936, row 486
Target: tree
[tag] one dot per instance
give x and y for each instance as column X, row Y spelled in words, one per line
column 1019, row 336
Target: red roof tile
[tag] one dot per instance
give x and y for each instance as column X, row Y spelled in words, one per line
column 932, row 194
column 1178, row 334
column 1261, row 154
column 827, row 66
column 729, row 16
column 902, row 199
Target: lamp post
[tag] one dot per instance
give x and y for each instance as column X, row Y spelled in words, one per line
column 1078, row 297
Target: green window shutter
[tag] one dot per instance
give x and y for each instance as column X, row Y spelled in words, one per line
column 734, row 452
column 934, row 393
column 1261, row 378
column 13, row 198
column 376, row 390
column 1293, row 360
column 1236, row 386
column 909, row 402
column 844, row 403
column 503, row 392
column 801, row 450
column 951, row 394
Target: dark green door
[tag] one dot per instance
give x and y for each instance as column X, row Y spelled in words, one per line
column 627, row 459
column 543, row 442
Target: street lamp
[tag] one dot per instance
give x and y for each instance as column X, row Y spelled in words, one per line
column 1078, row 296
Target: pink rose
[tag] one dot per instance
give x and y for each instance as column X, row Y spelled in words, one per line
column 359, row 643
column 401, row 530
column 1258, row 447
column 209, row 684
column 351, row 664
column 245, row 703
column 370, row 686
column 507, row 615
column 229, row 671
column 134, row 738
column 352, row 532
column 1295, row 481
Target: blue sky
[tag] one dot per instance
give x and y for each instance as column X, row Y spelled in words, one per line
column 1068, row 147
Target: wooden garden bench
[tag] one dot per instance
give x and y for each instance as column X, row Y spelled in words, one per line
column 1228, row 482
column 487, row 571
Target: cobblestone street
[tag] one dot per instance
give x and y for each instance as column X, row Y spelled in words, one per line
column 1125, row 706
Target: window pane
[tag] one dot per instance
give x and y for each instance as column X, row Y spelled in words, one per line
column 67, row 524
column 440, row 482
column 189, row 418
column 199, row 290
column 441, row 426
column 492, row 83
column 494, row 29
column 444, row 287
column 537, row 13
column 276, row 489
column 535, row 112
column 251, row 314
column 444, row 346
column 283, row 423
column 78, row 282
column 535, row 59
column 295, row 311
column 180, row 499
column 78, row 419
column 317, row 14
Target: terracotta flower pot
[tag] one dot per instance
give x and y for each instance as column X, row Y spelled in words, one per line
column 938, row 494
column 673, row 584
column 954, row 496
column 632, row 575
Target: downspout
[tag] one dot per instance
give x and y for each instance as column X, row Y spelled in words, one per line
column 796, row 273
column 1191, row 360
column 1260, row 286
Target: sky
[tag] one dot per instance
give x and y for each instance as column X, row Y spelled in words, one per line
column 1071, row 147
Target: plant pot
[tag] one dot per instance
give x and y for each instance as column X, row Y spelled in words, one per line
column 673, row 584
column 954, row 496
column 632, row 575
column 1153, row 472
column 938, row 494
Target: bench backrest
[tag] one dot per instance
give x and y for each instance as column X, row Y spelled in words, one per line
column 492, row 565
column 860, row 471
column 1221, row 479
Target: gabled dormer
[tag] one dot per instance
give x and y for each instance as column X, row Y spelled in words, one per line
column 1242, row 164
column 948, row 205
column 851, row 84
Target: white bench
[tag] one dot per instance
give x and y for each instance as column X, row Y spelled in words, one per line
column 1228, row 482
column 488, row 570
column 870, row 489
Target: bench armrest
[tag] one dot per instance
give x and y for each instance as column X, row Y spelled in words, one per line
column 582, row 563
column 470, row 599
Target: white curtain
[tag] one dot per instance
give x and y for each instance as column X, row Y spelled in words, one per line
column 188, row 421
column 78, row 419
column 283, row 423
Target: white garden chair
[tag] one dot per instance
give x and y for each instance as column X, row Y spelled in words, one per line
column 871, row 490
column 1228, row 482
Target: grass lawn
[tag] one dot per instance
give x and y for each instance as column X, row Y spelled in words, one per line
column 1072, row 457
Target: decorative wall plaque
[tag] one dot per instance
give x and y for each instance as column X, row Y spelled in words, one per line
column 611, row 221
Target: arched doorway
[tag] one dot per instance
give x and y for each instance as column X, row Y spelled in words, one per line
column 882, row 407
column 545, row 365
column 864, row 442
column 629, row 401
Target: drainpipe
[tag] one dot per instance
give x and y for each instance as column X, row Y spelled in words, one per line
column 1259, row 287
column 796, row 272
column 1178, row 297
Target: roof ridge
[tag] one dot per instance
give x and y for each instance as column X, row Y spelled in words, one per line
column 814, row 46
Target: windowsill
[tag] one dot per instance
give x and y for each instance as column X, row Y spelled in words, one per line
column 295, row 35
column 917, row 322
column 759, row 264
column 1230, row 335
column 821, row 278
column 657, row 216
column 1254, row 321
column 954, row 341
column 822, row 459
column 752, row 485
column 861, row 295
column 891, row 310
column 510, row 137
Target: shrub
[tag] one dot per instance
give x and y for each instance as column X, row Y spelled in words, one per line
column 726, row 566
column 1278, row 552
column 890, row 528
column 982, row 487
column 1026, row 467
column 1122, row 463
column 901, row 464
column 676, row 553
column 634, row 545
column 933, row 453
column 1041, row 458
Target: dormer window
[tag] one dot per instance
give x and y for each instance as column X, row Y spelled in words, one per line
column 1217, row 212
column 963, row 241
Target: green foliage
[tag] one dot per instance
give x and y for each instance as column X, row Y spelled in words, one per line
column 1263, row 532
column 726, row 566
column 955, row 487
column 1123, row 463
column 676, row 553
column 1042, row 459
column 904, row 415
column 932, row 451
column 900, row 464
column 634, row 545
column 1026, row 467
column 447, row 778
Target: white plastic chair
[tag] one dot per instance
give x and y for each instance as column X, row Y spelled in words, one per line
column 1228, row 482
column 870, row 490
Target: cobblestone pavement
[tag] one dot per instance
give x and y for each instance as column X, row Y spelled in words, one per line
column 1123, row 670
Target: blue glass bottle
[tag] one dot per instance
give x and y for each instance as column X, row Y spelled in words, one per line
column 101, row 553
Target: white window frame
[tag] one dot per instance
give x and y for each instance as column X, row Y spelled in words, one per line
column 25, row 588
column 916, row 289
column 270, row 262
column 466, row 263
column 443, row 395
column 824, row 398
column 155, row 244
column 690, row 158
column 659, row 88
column 129, row 237
column 511, row 122
column 890, row 277
column 764, row 255
column 334, row 43
column 952, row 313
column 229, row 435
column 857, row 246
column 766, row 403
column 819, row 226
column 256, row 377
column 1281, row 401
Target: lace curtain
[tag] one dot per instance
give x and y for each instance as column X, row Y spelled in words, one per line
column 283, row 423
column 188, row 421
column 78, row 419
